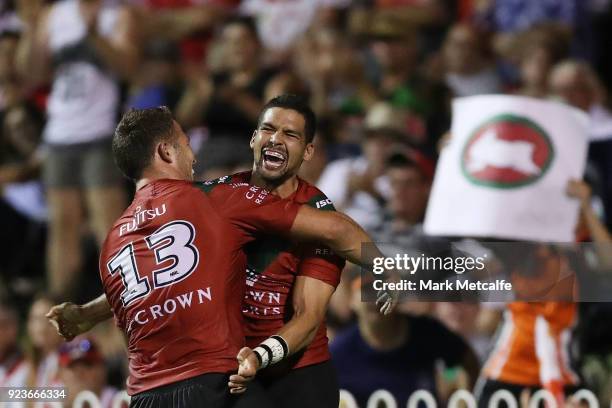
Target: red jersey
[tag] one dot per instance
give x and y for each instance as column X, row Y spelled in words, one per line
column 173, row 267
column 273, row 265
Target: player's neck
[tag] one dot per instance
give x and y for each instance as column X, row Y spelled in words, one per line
column 282, row 188
column 386, row 333
column 149, row 177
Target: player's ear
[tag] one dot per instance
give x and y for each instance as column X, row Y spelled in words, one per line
column 309, row 151
column 164, row 151
column 252, row 142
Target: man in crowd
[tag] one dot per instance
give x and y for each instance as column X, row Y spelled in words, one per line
column 82, row 369
column 399, row 353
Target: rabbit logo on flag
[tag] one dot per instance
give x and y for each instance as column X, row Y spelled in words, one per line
column 507, row 151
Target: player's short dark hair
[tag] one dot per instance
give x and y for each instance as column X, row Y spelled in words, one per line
column 298, row 104
column 136, row 136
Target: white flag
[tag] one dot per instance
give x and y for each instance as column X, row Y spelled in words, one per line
column 505, row 170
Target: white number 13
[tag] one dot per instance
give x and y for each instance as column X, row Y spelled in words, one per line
column 171, row 242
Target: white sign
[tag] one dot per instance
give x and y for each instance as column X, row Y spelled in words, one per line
column 505, row 170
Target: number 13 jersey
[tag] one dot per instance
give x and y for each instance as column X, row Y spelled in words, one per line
column 172, row 268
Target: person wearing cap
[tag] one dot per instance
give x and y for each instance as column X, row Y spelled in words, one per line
column 357, row 185
column 410, row 175
column 82, row 368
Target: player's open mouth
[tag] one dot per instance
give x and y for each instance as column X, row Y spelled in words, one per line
column 273, row 159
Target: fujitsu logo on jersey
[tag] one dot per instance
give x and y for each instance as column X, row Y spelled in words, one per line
column 139, row 217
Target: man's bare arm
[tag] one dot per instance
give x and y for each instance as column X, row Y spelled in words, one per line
column 70, row 319
column 310, row 299
column 119, row 51
column 345, row 237
column 32, row 58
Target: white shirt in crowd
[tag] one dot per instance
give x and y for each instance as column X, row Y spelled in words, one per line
column 84, row 97
column 281, row 22
column 362, row 207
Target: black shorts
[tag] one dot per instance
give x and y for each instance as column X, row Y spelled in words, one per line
column 306, row 387
column 204, row 391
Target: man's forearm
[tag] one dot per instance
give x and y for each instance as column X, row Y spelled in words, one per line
column 190, row 108
column 347, row 241
column 121, row 62
column 30, row 59
column 175, row 24
column 299, row 332
column 97, row 310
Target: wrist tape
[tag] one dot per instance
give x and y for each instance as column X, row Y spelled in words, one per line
column 271, row 351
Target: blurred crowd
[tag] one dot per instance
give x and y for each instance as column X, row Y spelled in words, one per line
column 379, row 74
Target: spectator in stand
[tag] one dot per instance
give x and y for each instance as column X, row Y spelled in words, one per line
column 13, row 368
column 23, row 210
column 82, row 369
column 575, row 83
column 466, row 319
column 357, row 185
column 330, row 65
column 44, row 343
column 311, row 170
column 469, row 67
column 395, row 51
column 535, row 52
column 410, row 174
column 398, row 353
column 84, row 46
column 533, row 349
column 158, row 82
column 228, row 102
column 508, row 17
column 431, row 17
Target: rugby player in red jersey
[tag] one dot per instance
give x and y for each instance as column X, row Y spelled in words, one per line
column 289, row 286
column 172, row 265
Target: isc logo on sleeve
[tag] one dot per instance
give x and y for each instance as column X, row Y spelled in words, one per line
column 323, row 203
